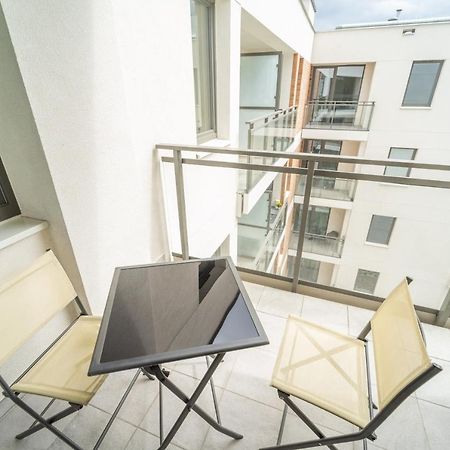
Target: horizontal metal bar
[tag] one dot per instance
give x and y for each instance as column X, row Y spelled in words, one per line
column 340, row 102
column 306, row 156
column 244, row 166
column 324, row 287
column 325, row 173
column 275, row 114
column 424, row 182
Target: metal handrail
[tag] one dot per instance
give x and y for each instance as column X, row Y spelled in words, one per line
column 339, row 102
column 272, row 116
column 304, row 157
column 311, row 171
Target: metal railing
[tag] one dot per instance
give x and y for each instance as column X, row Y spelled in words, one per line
column 329, row 188
column 264, row 259
column 347, row 115
column 319, row 244
column 180, row 161
column 274, row 131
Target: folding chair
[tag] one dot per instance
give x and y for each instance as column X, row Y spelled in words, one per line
column 331, row 370
column 27, row 302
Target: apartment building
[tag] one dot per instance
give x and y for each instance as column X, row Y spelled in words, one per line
column 376, row 91
column 379, row 91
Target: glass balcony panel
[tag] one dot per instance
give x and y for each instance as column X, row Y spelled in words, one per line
column 329, row 188
column 339, row 114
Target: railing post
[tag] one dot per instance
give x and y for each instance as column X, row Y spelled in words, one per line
column 372, row 106
column 181, row 202
column 302, row 231
column 444, row 312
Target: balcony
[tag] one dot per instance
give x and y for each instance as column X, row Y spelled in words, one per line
column 271, row 132
column 328, row 245
column 323, row 187
column 243, row 382
column 339, row 115
column 370, row 268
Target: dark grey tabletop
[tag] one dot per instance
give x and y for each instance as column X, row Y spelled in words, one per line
column 167, row 312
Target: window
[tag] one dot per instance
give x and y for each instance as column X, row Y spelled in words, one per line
column 407, row 154
column 202, row 22
column 8, row 204
column 366, row 280
column 422, row 83
column 337, row 83
column 380, row 229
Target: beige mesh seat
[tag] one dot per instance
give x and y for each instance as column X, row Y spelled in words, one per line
column 27, row 302
column 325, row 368
column 57, row 376
column 331, row 370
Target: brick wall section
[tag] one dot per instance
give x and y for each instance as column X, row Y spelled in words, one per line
column 300, row 81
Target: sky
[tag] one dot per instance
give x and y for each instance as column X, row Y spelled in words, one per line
column 337, row 12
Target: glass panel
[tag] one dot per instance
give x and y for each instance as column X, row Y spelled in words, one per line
column 317, row 222
column 202, row 44
column 309, row 269
column 259, row 80
column 324, row 81
column 400, row 153
column 422, row 82
column 348, row 83
column 380, row 229
column 174, row 308
column 366, row 280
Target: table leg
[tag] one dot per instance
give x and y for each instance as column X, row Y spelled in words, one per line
column 190, row 401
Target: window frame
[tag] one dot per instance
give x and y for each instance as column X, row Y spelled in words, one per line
column 207, row 135
column 433, row 90
column 408, row 171
column 390, row 231
column 11, row 208
column 356, row 280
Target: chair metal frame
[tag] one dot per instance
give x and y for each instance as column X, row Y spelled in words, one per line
column 40, row 422
column 367, row 432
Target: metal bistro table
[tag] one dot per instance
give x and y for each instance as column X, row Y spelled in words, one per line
column 160, row 313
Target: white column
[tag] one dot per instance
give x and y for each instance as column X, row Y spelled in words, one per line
column 228, row 53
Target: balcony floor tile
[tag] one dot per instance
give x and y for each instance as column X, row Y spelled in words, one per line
column 330, row 314
column 248, row 403
column 280, row 303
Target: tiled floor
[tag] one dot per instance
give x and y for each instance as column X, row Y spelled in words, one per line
column 247, row 403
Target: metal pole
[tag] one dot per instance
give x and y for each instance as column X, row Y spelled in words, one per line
column 161, row 412
column 444, row 312
column 249, row 145
column 181, row 202
column 302, row 231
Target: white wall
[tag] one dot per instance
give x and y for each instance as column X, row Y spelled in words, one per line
column 103, row 90
column 106, row 81
column 419, row 245
column 25, row 163
column 287, row 20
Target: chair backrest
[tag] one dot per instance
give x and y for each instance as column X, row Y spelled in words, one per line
column 400, row 353
column 30, row 299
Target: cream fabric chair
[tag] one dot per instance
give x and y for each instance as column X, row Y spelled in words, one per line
column 27, row 302
column 331, row 370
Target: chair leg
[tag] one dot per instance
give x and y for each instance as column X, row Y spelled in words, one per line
column 64, row 413
column 286, row 398
column 213, row 392
column 282, row 424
